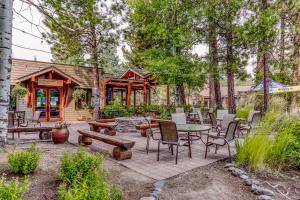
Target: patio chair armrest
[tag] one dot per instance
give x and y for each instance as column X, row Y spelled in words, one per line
column 214, row 136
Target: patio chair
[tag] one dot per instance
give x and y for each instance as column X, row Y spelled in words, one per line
column 213, row 121
column 169, row 135
column 221, row 113
column 151, row 133
column 219, row 140
column 227, row 118
column 199, row 117
column 253, row 120
column 205, row 116
column 34, row 121
column 179, row 118
column 179, row 110
column 19, row 117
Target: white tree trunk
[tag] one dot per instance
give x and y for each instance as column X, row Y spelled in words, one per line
column 5, row 63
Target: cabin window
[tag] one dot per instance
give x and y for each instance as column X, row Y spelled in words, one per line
column 84, row 103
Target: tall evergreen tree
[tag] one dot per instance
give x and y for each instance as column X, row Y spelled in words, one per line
column 160, row 32
column 80, row 31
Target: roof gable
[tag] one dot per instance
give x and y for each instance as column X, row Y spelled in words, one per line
column 46, row 70
column 132, row 73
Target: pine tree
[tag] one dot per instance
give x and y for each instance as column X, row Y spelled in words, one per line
column 81, row 31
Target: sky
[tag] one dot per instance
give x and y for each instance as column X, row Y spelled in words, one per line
column 35, row 27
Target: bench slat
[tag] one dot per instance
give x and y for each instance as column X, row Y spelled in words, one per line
column 146, row 126
column 123, row 143
column 105, row 120
column 103, row 125
column 28, row 129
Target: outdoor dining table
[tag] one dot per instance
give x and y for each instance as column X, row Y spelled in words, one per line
column 192, row 128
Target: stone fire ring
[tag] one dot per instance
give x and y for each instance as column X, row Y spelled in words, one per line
column 127, row 124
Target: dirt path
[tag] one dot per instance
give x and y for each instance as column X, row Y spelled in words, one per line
column 210, row 182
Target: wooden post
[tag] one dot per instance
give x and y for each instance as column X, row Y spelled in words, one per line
column 149, row 97
column 134, row 98
column 129, row 94
column 145, row 92
column 122, row 97
column 103, row 94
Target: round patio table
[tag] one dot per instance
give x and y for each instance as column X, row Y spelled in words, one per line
column 192, row 128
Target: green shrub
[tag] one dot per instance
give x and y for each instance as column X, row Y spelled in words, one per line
column 274, row 144
column 84, row 179
column 24, row 162
column 92, row 186
column 253, row 151
column 13, row 190
column 19, row 91
column 244, row 112
column 115, row 109
column 279, row 154
column 116, row 193
column 74, row 167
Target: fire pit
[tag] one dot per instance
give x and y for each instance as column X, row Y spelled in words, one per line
column 127, row 124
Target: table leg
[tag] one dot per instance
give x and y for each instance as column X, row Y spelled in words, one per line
column 190, row 149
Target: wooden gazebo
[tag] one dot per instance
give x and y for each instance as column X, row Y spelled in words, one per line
column 128, row 84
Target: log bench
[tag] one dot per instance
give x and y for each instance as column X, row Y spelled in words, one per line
column 109, row 127
column 145, row 127
column 122, row 149
column 105, row 120
column 44, row 132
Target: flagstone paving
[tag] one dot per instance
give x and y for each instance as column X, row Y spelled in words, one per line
column 147, row 164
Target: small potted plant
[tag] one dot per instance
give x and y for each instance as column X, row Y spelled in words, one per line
column 60, row 133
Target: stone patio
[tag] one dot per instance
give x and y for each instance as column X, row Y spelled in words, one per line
column 147, row 164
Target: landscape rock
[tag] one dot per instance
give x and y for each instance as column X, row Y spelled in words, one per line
column 237, row 172
column 264, row 197
column 248, row 181
column 155, row 194
column 147, row 198
column 265, row 191
column 159, row 184
column 258, row 190
column 229, row 165
column 231, row 169
column 244, row 177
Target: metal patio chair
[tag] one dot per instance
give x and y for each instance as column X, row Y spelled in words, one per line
column 213, row 121
column 179, row 110
column 169, row 136
column 34, row 121
column 227, row 118
column 253, row 120
column 219, row 140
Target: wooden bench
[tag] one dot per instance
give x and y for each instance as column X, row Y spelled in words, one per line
column 122, row 149
column 109, row 127
column 44, row 132
column 105, row 120
column 145, row 127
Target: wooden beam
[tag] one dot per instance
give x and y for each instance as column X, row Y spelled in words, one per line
column 149, row 96
column 103, row 94
column 134, row 98
column 145, row 92
column 129, row 94
column 125, row 84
